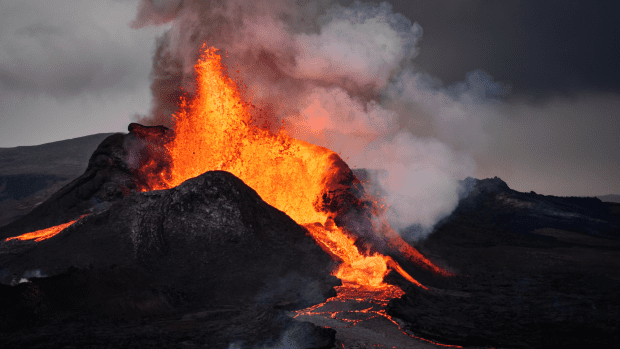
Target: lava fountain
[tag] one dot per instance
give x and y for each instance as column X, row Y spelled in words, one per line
column 214, row 130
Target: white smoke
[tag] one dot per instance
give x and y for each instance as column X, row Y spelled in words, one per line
column 27, row 275
column 363, row 44
column 340, row 77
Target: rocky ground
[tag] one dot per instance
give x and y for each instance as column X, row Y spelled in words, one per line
column 220, row 327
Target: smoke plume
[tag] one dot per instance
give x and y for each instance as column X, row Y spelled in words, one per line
column 340, row 77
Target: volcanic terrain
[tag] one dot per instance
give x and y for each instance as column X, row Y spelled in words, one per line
column 529, row 270
column 219, row 233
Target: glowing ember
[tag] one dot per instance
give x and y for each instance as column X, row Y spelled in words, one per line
column 43, row 234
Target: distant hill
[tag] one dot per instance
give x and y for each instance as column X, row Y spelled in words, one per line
column 522, row 212
column 31, row 174
column 533, row 271
column 610, row 198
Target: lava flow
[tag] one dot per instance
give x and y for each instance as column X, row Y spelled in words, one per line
column 46, row 233
column 354, row 305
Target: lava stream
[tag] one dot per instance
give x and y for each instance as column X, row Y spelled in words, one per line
column 214, row 130
column 356, row 268
column 375, row 300
column 46, row 233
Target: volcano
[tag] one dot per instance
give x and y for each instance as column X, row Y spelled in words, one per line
column 136, row 186
column 150, row 254
column 220, row 233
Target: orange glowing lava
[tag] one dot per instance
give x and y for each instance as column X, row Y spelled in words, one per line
column 350, row 296
column 214, row 131
column 356, row 267
column 43, row 234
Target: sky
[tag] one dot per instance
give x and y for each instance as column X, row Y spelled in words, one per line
column 528, row 91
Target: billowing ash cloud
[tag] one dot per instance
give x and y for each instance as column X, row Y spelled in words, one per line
column 340, row 77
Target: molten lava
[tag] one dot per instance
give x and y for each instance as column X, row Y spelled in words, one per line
column 215, row 131
column 43, row 234
column 345, row 309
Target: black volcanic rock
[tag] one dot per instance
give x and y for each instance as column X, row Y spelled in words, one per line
column 533, row 271
column 209, row 255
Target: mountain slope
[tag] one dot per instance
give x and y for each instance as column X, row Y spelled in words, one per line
column 31, row 174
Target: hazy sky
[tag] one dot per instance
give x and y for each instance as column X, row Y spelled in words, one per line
column 72, row 68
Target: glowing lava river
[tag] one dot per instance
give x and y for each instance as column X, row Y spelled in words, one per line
column 46, row 233
column 358, row 315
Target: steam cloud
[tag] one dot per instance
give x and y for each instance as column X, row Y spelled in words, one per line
column 340, row 77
